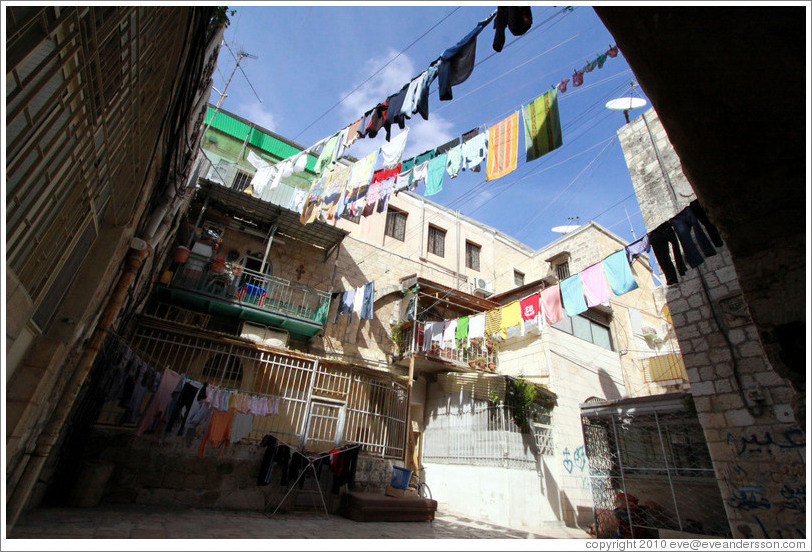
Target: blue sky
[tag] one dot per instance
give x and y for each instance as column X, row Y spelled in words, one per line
column 309, row 57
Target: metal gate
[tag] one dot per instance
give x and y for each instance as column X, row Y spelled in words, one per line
column 650, row 469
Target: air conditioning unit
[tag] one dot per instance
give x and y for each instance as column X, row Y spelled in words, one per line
column 483, row 287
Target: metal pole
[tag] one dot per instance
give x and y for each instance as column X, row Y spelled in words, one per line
column 671, row 191
column 668, row 470
column 407, row 430
column 622, row 475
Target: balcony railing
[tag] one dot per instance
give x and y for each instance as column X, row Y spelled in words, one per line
column 250, row 288
column 479, row 352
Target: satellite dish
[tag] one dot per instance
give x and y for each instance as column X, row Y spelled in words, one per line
column 566, row 229
column 624, row 104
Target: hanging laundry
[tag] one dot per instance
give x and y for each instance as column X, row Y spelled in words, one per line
column 518, row 19
column 241, row 426
column 417, row 94
column 473, row 133
column 530, row 307
column 358, row 301
column 531, row 312
column 503, row 142
column 476, row 326
column 660, row 239
column 386, row 192
column 368, row 301
column 359, row 201
column 297, row 200
column 313, row 202
column 427, row 155
column 542, row 125
column 432, row 331
column 493, row 322
column 594, row 283
column 362, row 172
column 683, row 222
column 619, row 273
column 217, row 432
column 702, row 216
column 510, row 325
column 474, row 151
column 462, row 331
column 157, row 411
column 562, row 86
column 590, row 65
column 373, row 193
column 439, row 150
column 457, row 62
column 453, row 162
column 335, row 179
column 637, row 248
column 345, row 305
column 612, row 51
column 373, row 121
column 352, row 133
column 449, row 333
column 420, row 174
column 600, row 60
column 394, row 106
column 577, row 77
column 262, row 176
column 391, row 152
column 404, row 180
column 435, row 173
column 572, row 295
column 328, row 153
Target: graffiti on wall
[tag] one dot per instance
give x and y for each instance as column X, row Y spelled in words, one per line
column 766, row 483
column 575, row 464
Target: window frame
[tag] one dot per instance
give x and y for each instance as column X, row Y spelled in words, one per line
column 566, row 269
column 434, row 233
column 391, row 229
column 241, row 180
column 469, row 248
column 566, row 325
column 518, row 278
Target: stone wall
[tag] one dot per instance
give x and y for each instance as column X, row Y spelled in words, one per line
column 744, row 407
column 172, row 474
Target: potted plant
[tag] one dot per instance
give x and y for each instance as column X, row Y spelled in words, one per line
column 492, row 367
column 481, row 362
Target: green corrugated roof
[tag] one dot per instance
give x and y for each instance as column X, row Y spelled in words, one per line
column 267, row 143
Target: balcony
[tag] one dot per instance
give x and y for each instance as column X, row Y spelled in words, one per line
column 480, row 355
column 248, row 295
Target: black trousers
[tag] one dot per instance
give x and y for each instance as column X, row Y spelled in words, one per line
column 660, row 238
column 702, row 216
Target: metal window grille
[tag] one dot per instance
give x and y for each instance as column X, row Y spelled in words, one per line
column 241, row 181
column 649, row 471
column 518, row 278
column 436, row 241
column 318, row 405
column 472, row 255
column 563, row 270
column 396, row 224
column 462, row 428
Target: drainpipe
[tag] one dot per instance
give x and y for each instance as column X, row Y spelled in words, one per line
column 139, row 249
column 458, row 251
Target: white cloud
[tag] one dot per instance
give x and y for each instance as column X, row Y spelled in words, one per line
column 423, row 135
column 257, row 113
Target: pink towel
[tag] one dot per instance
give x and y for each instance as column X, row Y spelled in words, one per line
column 593, row 280
column 551, row 304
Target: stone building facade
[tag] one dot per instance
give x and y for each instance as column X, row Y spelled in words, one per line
column 744, row 406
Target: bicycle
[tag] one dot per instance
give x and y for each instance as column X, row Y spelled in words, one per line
column 417, row 481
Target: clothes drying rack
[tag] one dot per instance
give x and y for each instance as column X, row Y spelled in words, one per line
column 311, row 461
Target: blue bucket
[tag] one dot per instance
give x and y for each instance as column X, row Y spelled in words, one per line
column 400, row 477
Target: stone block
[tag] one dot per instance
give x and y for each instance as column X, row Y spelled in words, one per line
column 724, row 370
column 750, row 349
column 678, row 306
column 726, row 274
column 769, row 378
column 695, row 301
column 702, row 388
column 707, row 373
column 699, row 345
column 739, row 418
column 723, row 386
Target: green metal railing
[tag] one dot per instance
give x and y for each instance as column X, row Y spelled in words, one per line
column 250, row 288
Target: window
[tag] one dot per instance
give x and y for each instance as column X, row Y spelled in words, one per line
column 518, row 278
column 241, row 181
column 436, row 241
column 472, row 255
column 586, row 329
column 356, row 219
column 563, row 270
column 395, row 224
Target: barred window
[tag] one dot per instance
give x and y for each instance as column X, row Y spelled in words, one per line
column 241, row 181
column 436, row 241
column 472, row 255
column 396, row 224
column 518, row 278
column 563, row 270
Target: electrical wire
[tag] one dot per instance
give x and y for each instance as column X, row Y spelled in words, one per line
column 415, row 41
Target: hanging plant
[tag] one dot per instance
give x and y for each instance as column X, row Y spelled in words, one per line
column 519, row 396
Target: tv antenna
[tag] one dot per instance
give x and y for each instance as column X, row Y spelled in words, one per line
column 241, row 54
